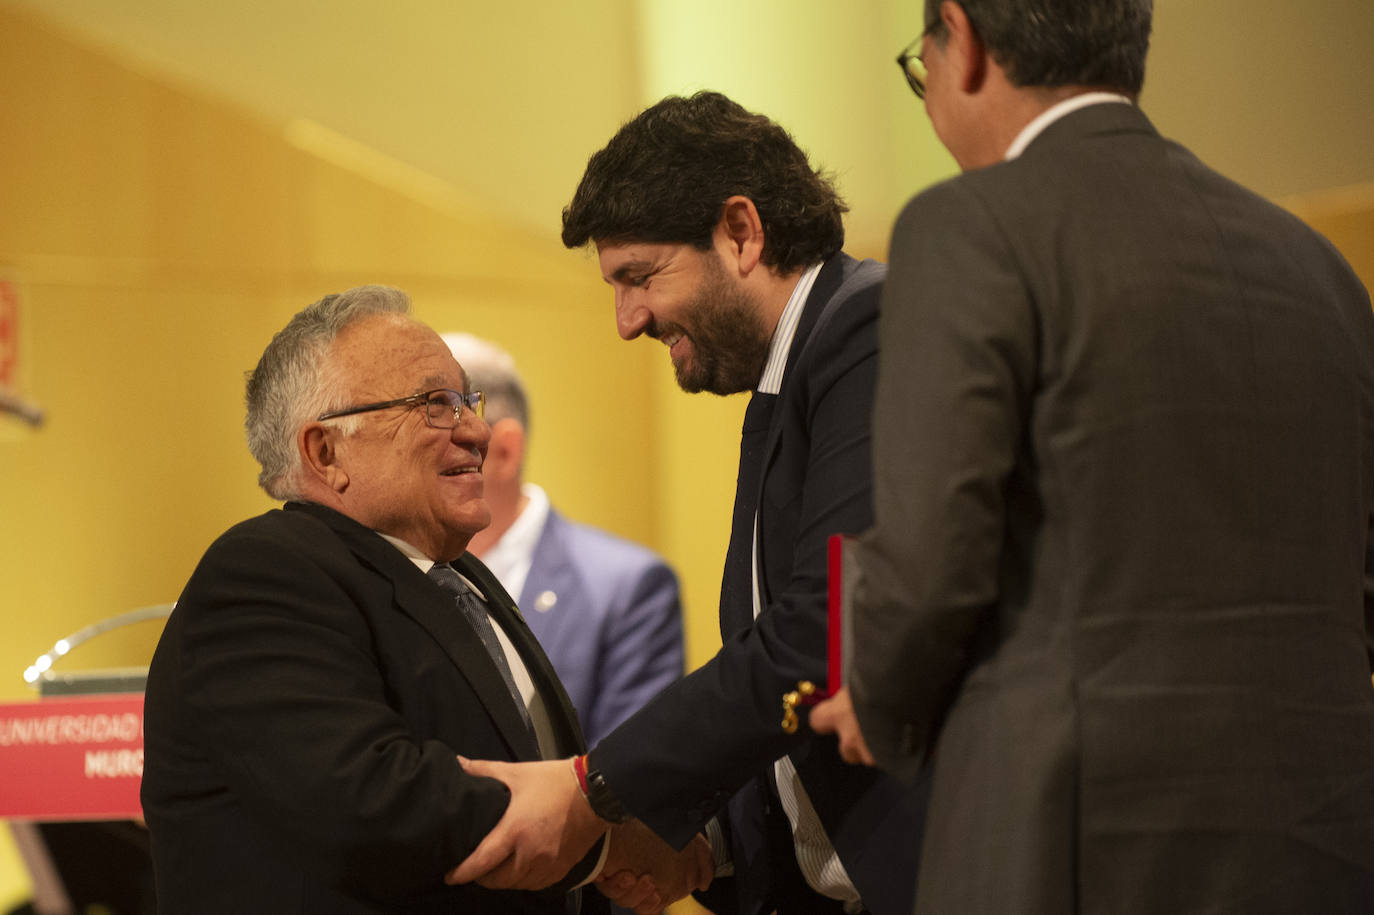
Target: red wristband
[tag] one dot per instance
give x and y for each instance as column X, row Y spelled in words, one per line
column 580, row 770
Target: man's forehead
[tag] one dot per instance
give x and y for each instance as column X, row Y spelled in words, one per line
column 621, row 257
column 398, row 353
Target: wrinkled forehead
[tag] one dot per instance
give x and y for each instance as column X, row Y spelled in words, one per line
column 621, row 260
column 388, row 356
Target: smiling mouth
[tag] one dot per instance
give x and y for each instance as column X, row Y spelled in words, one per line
column 674, row 343
column 459, row 471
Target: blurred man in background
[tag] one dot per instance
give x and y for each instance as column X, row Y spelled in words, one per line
column 606, row 610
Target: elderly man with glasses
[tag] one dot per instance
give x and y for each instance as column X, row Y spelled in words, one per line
column 328, row 662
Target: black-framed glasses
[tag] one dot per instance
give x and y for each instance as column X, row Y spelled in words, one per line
column 913, row 64
column 443, row 406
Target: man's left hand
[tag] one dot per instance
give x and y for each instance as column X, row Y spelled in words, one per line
column 836, row 716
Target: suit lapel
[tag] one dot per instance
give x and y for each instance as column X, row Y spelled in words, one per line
column 433, row 610
column 546, row 682
column 828, row 282
column 551, row 569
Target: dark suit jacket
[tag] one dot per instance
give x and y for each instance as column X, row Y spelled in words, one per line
column 716, row 733
column 304, row 708
column 608, row 614
column 1117, row 582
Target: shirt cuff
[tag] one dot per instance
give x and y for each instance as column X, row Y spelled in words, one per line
column 600, row 862
column 720, row 848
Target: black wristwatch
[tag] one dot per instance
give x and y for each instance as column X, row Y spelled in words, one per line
column 603, row 802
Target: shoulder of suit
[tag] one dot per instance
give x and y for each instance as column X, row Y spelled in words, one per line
column 279, row 524
column 317, row 535
column 595, row 548
column 846, row 330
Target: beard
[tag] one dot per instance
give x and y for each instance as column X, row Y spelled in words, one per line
column 729, row 344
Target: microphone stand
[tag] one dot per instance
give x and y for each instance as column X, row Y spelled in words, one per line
column 13, row 404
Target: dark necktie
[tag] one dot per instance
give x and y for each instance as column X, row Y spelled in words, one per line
column 737, row 581
column 452, row 583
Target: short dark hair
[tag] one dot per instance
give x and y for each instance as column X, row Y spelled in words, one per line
column 1050, row 43
column 666, row 174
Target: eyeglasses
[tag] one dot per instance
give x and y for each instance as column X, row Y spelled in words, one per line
column 913, row 65
column 443, row 406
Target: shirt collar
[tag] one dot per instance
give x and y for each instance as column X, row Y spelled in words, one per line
column 1054, row 113
column 771, row 380
column 516, row 546
column 424, row 563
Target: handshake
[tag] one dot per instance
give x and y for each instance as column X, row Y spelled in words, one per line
column 549, row 827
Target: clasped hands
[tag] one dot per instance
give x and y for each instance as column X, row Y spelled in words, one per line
column 549, row 826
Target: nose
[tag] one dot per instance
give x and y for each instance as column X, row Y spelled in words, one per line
column 472, row 429
column 631, row 318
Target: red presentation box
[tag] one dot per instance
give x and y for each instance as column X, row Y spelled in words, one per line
column 72, row 758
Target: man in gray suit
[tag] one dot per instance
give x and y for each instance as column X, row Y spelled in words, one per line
column 1118, row 590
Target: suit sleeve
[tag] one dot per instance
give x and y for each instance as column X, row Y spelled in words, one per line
column 1369, row 594
column 642, row 651
column 281, row 685
column 954, row 382
column 676, row 762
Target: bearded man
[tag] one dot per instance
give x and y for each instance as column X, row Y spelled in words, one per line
column 721, row 241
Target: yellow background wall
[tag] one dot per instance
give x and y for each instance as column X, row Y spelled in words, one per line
column 158, row 238
column 160, row 234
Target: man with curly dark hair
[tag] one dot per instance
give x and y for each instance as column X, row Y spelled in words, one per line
column 721, row 241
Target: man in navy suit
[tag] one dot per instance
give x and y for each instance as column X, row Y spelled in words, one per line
column 329, row 661
column 722, row 242
column 606, row 610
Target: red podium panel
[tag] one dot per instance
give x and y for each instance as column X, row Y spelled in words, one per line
column 71, row 759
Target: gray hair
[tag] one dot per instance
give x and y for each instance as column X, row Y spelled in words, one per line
column 491, row 370
column 294, row 381
column 1051, row 43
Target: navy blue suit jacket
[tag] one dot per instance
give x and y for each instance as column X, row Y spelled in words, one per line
column 712, row 737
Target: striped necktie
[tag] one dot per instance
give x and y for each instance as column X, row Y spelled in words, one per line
column 476, row 614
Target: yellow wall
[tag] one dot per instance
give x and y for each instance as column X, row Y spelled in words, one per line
column 160, row 236
column 158, row 240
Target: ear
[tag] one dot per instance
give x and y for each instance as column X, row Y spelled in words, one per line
column 505, row 451
column 966, row 47
column 317, row 444
column 739, row 234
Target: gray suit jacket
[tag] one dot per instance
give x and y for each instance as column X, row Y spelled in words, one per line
column 1117, row 591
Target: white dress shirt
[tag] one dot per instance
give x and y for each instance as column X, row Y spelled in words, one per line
column 511, row 557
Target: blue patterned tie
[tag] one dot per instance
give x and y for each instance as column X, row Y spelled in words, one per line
column 452, row 583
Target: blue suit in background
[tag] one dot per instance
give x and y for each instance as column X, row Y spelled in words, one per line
column 607, row 613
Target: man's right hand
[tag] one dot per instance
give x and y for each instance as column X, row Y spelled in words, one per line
column 547, row 828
